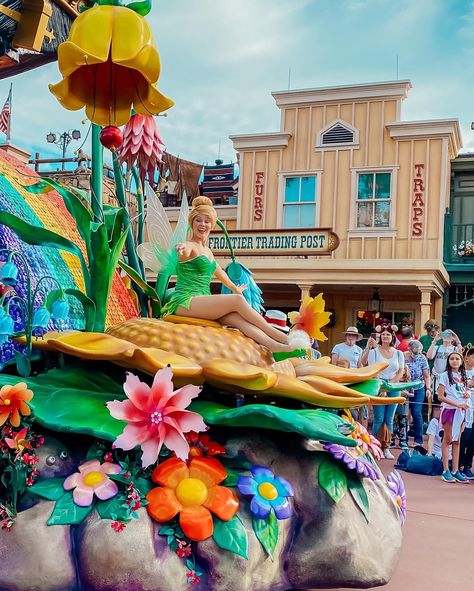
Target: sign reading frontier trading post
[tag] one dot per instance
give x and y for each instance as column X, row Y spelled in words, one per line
column 315, row 242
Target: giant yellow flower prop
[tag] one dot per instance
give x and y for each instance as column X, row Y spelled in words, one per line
column 110, row 65
column 311, row 317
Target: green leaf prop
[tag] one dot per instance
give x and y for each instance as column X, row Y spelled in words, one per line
column 143, row 285
column 358, row 493
column 66, row 512
column 142, row 8
column 231, row 535
column 333, row 479
column 397, row 387
column 42, row 237
column 112, row 509
column 310, row 423
column 51, row 489
column 368, row 388
column 266, row 531
column 73, row 401
column 232, row 477
column 23, row 364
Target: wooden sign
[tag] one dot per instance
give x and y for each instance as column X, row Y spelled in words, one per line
column 314, row 242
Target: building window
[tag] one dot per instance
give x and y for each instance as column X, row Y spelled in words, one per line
column 373, row 200
column 299, row 204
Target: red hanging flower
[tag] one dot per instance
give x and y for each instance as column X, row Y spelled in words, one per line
column 142, row 145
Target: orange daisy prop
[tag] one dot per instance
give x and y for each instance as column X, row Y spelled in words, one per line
column 193, row 492
column 13, row 403
column 311, row 317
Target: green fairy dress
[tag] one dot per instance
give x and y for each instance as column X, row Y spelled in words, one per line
column 193, row 278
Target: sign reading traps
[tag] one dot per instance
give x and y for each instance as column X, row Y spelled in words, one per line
column 319, row 241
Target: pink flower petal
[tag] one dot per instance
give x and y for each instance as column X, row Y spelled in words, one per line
column 72, row 481
column 162, row 387
column 83, row 495
column 125, row 411
column 89, row 466
column 175, row 440
column 151, row 449
column 106, row 490
column 110, row 468
column 138, row 392
column 133, row 435
column 186, row 420
column 182, row 398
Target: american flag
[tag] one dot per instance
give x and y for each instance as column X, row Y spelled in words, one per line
column 5, row 115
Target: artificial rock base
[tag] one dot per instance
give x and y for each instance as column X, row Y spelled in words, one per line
column 323, row 545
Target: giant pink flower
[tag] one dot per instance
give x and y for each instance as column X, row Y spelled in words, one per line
column 156, row 416
column 142, row 145
column 92, row 480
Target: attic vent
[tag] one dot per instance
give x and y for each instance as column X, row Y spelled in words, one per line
column 338, row 135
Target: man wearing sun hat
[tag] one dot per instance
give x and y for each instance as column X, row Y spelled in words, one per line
column 348, row 349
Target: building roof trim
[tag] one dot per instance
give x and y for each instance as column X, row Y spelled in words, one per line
column 261, row 141
column 397, row 89
column 428, row 128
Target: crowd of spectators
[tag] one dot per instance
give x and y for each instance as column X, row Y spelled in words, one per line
column 436, row 421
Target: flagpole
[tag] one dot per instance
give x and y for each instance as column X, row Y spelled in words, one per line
column 10, row 117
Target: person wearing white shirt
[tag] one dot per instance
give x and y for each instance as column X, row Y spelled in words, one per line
column 466, row 453
column 348, row 349
column 455, row 401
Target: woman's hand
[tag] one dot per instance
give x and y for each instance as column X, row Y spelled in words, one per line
column 180, row 248
column 371, row 343
column 241, row 288
column 383, row 394
column 464, row 406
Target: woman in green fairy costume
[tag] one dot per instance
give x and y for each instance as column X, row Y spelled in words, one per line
column 192, row 296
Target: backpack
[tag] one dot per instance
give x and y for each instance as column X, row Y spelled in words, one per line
column 413, row 461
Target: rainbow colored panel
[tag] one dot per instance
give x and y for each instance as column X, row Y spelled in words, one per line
column 48, row 211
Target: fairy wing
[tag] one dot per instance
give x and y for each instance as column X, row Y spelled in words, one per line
column 159, row 253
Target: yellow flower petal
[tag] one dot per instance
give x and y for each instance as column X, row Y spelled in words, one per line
column 240, row 375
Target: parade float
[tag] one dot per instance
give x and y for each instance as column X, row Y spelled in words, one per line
column 147, row 450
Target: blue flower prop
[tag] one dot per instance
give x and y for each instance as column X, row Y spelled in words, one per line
column 7, row 326
column 60, row 310
column 269, row 492
column 9, row 273
column 41, row 318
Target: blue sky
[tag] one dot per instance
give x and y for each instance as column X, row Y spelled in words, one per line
column 221, row 60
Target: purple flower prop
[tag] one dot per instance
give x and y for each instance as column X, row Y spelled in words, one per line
column 268, row 491
column 397, row 488
column 353, row 460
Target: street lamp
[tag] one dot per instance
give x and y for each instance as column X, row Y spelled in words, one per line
column 63, row 140
column 375, row 303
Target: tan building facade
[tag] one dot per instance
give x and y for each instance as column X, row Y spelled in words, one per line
column 344, row 160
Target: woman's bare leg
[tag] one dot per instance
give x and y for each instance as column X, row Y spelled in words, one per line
column 213, row 307
column 217, row 307
column 445, row 446
column 236, row 321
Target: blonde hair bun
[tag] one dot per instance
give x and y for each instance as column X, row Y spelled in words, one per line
column 197, row 201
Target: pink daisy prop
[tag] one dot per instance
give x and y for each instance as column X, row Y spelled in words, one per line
column 156, row 415
column 92, row 480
